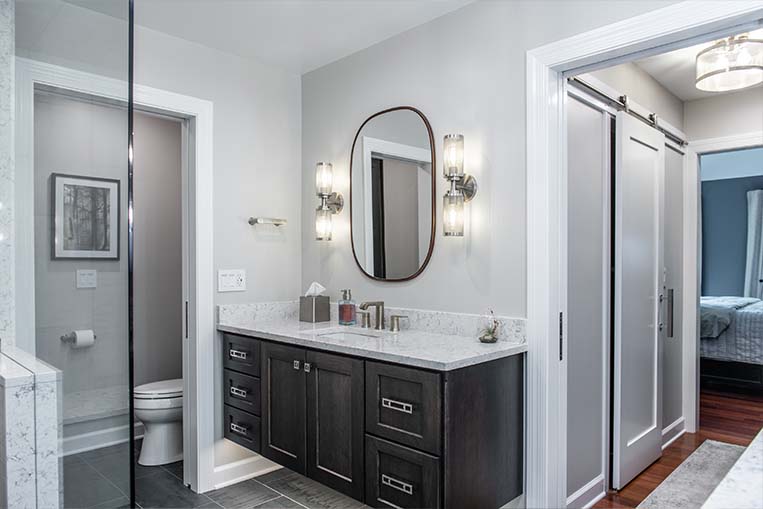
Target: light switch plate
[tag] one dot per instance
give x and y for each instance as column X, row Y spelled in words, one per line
column 231, row 280
column 87, row 278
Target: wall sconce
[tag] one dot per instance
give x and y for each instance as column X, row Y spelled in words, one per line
column 331, row 202
column 463, row 187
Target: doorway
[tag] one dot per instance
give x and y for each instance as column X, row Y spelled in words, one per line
column 548, row 68
column 193, row 118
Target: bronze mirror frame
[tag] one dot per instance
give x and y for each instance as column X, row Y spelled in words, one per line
column 433, row 197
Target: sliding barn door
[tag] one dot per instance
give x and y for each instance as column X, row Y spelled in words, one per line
column 639, row 291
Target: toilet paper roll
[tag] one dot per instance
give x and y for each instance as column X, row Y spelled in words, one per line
column 83, row 338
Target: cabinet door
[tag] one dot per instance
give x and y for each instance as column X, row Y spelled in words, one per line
column 335, row 422
column 283, row 405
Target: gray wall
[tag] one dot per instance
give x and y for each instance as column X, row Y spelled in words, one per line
column 466, row 72
column 640, row 86
column 724, row 115
column 157, row 273
column 256, row 129
column 724, row 234
column 7, row 166
column 401, row 218
column 86, row 139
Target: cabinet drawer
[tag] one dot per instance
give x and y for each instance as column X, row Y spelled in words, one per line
column 404, row 405
column 397, row 476
column 242, row 391
column 242, row 428
column 241, row 354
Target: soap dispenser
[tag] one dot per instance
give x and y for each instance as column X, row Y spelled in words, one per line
column 346, row 309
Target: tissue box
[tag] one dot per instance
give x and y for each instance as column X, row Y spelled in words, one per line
column 314, row 309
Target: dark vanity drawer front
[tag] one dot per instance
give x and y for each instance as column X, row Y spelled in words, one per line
column 397, row 476
column 242, row 428
column 404, row 405
column 241, row 354
column 242, row 391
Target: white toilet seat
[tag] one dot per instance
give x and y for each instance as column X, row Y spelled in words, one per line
column 160, row 390
column 158, row 403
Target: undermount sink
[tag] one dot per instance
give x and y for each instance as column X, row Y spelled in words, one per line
column 349, row 335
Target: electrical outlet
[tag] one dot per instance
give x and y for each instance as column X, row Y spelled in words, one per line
column 87, row 278
column 231, row 280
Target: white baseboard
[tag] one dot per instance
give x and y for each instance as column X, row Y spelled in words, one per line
column 589, row 494
column 241, row 470
column 673, row 431
column 88, row 441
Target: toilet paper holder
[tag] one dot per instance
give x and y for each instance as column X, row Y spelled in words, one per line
column 72, row 336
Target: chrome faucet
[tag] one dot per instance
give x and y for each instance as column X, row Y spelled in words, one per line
column 379, row 305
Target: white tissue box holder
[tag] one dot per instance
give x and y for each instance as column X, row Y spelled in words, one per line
column 314, row 309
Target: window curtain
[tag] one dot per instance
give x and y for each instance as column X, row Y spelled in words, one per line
column 754, row 268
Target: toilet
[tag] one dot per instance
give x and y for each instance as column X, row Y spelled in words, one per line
column 159, row 406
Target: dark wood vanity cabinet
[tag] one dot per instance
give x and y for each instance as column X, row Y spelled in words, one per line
column 385, row 434
column 242, row 391
column 313, row 415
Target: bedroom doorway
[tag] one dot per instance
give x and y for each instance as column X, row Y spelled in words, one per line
column 731, row 272
column 656, row 388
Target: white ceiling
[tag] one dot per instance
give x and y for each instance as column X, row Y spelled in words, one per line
column 675, row 70
column 299, row 35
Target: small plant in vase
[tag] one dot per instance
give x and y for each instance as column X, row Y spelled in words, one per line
column 489, row 334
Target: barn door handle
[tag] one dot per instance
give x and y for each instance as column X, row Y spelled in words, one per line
column 670, row 312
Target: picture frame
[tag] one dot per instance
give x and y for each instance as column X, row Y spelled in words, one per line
column 86, row 217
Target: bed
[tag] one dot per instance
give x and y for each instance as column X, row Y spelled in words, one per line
column 731, row 345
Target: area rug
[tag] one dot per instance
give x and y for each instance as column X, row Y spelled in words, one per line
column 689, row 485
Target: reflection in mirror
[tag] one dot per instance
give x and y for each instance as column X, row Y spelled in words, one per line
column 392, row 194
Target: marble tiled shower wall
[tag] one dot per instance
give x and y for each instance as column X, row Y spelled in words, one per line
column 7, row 168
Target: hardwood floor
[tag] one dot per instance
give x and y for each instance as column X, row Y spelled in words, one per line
column 724, row 417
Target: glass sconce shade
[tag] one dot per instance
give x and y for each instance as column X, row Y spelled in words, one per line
column 730, row 64
column 453, row 156
column 323, row 226
column 453, row 214
column 324, row 178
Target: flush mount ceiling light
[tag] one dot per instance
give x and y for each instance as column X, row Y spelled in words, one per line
column 730, row 64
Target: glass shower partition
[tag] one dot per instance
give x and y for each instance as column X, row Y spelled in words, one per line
column 73, row 68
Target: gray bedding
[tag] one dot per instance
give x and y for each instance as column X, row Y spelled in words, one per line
column 716, row 313
column 742, row 339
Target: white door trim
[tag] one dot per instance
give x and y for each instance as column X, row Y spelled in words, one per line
column 198, row 361
column 691, row 275
column 647, row 34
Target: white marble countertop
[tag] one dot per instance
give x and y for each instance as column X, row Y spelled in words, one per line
column 12, row 374
column 742, row 488
column 42, row 371
column 441, row 352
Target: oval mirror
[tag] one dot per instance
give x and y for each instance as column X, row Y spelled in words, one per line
column 392, row 193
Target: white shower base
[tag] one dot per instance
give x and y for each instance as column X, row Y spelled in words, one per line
column 96, row 418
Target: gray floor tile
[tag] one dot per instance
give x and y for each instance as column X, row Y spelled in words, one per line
column 118, row 503
column 120, row 449
column 280, row 503
column 243, row 495
column 85, row 487
column 312, row 494
column 175, row 469
column 164, row 490
column 274, row 475
column 115, row 467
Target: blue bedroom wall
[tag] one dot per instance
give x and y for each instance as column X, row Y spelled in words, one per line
column 724, row 217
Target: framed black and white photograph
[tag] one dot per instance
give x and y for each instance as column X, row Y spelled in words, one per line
column 86, row 217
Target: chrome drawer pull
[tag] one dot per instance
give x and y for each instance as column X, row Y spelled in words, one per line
column 397, row 485
column 398, row 406
column 296, row 365
column 237, row 429
column 240, row 393
column 307, row 367
column 237, row 354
